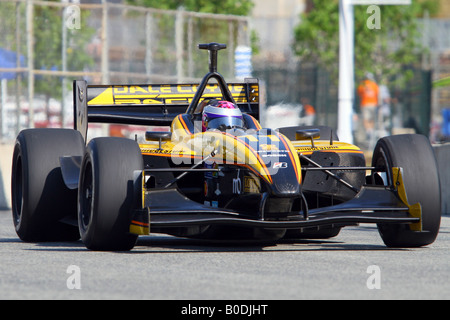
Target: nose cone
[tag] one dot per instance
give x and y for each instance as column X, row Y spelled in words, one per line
column 277, row 159
column 285, row 182
column 267, row 153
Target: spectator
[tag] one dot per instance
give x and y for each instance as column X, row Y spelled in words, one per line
column 368, row 92
column 309, row 113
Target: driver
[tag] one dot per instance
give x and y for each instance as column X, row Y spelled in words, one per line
column 221, row 115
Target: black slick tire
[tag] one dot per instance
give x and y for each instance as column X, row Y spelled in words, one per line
column 415, row 155
column 40, row 199
column 107, row 193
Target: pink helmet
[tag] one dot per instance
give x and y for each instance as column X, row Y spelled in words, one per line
column 221, row 115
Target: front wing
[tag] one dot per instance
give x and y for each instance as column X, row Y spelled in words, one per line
column 168, row 208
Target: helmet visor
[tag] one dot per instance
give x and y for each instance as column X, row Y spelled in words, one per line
column 224, row 122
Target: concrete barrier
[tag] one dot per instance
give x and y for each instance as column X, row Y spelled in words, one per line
column 3, row 201
column 6, row 151
column 442, row 152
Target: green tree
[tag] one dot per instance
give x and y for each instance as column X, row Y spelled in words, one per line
column 47, row 39
column 48, row 22
column 381, row 51
column 235, row 7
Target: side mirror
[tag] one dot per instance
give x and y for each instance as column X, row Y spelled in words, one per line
column 309, row 134
column 158, row 136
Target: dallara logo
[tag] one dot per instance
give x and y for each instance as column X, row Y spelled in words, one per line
column 280, row 165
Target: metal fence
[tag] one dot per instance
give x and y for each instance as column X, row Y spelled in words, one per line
column 294, row 84
column 409, row 109
column 45, row 45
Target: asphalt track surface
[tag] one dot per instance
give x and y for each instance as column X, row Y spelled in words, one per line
column 169, row 268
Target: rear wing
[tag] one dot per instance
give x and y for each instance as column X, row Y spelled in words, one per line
column 149, row 104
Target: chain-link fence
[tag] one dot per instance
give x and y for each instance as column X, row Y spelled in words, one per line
column 45, row 45
column 297, row 85
column 408, row 109
column 435, row 38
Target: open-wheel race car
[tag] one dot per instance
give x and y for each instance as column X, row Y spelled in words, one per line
column 216, row 174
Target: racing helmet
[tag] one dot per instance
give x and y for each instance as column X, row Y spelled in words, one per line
column 221, row 115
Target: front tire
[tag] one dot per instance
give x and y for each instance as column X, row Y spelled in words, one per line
column 415, row 155
column 108, row 194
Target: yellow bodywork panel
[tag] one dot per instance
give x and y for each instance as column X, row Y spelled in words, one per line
column 139, row 230
column 140, row 223
column 305, row 147
column 415, row 209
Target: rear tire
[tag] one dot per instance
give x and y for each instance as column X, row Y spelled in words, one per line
column 40, row 199
column 108, row 193
column 415, row 155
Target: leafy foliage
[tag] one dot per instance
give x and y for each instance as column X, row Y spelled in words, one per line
column 384, row 51
column 48, row 44
column 235, row 7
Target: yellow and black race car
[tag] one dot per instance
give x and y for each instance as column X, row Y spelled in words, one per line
column 216, row 174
